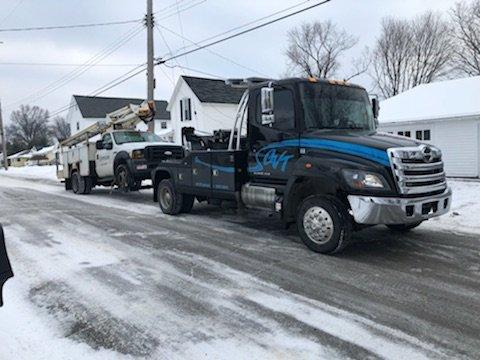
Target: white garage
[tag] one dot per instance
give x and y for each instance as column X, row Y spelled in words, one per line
column 445, row 114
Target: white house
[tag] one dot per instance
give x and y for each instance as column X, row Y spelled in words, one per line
column 87, row 110
column 205, row 104
column 445, row 114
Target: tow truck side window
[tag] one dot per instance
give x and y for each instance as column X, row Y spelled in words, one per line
column 284, row 110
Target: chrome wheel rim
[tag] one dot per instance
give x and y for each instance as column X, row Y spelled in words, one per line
column 166, row 198
column 318, row 225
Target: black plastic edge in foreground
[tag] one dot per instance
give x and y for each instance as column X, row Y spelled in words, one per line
column 3, row 279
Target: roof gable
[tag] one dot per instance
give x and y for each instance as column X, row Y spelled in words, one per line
column 443, row 99
column 213, row 91
column 99, row 107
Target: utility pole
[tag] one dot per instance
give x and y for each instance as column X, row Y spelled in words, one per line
column 149, row 22
column 3, row 138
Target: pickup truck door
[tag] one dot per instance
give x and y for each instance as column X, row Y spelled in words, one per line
column 274, row 148
column 105, row 157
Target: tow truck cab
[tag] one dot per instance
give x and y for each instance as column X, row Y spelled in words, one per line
column 309, row 149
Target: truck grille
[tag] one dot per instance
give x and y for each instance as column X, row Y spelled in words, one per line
column 418, row 170
column 163, row 152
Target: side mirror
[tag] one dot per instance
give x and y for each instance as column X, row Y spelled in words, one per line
column 267, row 95
column 99, row 145
column 375, row 108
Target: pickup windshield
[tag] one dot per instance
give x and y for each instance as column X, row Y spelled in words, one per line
column 329, row 106
column 122, row 137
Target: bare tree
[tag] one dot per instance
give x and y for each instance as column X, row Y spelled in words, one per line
column 315, row 49
column 410, row 53
column 466, row 21
column 60, row 129
column 29, row 128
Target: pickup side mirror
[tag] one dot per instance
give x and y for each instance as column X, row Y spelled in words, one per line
column 267, row 95
column 99, row 145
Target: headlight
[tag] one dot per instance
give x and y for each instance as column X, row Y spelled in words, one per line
column 138, row 154
column 360, row 180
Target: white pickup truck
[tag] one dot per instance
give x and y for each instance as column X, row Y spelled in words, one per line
column 123, row 156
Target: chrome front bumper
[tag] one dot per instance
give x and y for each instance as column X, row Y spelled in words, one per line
column 381, row 210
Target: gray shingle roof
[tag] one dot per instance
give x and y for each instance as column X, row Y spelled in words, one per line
column 99, row 107
column 214, row 91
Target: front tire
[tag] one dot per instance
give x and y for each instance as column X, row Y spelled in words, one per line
column 324, row 225
column 404, row 227
column 125, row 180
column 169, row 199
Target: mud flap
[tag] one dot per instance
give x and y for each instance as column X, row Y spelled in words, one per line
column 5, row 268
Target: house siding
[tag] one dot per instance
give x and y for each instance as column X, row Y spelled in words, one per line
column 459, row 140
column 206, row 117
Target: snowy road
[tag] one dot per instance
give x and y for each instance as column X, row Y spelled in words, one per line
column 107, row 276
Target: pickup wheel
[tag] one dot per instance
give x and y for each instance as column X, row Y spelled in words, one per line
column 324, row 225
column 404, row 227
column 169, row 199
column 124, row 179
column 75, row 182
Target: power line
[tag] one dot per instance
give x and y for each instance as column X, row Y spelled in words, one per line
column 111, row 84
column 162, row 61
column 59, row 83
column 209, row 50
column 132, row 73
column 17, row 5
column 61, row 64
column 196, row 70
column 57, row 27
column 250, row 23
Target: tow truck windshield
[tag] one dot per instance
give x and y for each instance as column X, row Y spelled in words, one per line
column 123, row 137
column 329, row 106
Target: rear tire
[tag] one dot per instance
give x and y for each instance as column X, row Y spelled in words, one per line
column 75, row 182
column 404, row 227
column 324, row 225
column 169, row 199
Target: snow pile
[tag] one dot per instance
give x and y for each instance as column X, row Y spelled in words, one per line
column 48, row 172
column 463, row 216
column 443, row 99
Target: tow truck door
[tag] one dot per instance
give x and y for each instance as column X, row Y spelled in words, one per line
column 274, row 148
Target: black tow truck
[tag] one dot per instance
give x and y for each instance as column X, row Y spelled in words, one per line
column 309, row 150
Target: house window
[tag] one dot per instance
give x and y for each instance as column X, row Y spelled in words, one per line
column 163, row 124
column 408, row 134
column 78, row 125
column 185, row 109
column 423, row 135
column 400, row 133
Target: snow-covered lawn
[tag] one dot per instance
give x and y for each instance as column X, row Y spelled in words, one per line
column 48, row 172
column 463, row 216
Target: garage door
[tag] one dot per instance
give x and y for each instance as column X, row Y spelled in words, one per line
column 458, row 140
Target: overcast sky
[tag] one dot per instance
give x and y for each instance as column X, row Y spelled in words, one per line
column 261, row 51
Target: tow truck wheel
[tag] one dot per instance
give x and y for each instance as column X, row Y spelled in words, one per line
column 323, row 224
column 404, row 227
column 169, row 200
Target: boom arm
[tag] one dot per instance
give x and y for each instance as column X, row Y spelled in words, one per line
column 124, row 118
